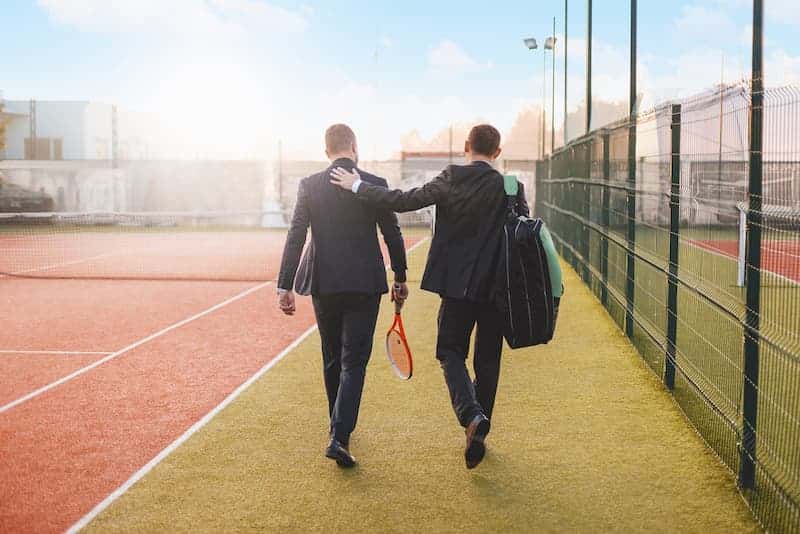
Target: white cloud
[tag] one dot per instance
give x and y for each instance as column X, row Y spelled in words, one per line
column 783, row 12
column 181, row 17
column 781, row 69
column 704, row 23
column 261, row 16
column 450, row 57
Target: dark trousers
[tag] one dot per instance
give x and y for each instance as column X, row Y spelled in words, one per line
column 457, row 318
column 346, row 325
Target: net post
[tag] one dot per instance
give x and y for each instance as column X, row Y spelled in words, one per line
column 114, row 138
column 747, row 464
column 742, row 256
column 674, row 236
column 605, row 216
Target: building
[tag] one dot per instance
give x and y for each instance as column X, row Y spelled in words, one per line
column 71, row 130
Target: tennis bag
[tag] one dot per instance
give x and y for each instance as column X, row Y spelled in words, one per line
column 526, row 278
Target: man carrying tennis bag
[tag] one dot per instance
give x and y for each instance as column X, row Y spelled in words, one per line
column 462, row 268
column 528, row 288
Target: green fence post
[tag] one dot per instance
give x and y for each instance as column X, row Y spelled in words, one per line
column 630, row 269
column 747, row 467
column 586, row 188
column 674, row 235
column 631, row 263
column 605, row 217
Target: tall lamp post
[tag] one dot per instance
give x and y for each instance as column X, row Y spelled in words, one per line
column 531, row 43
column 566, row 44
column 550, row 44
column 544, row 97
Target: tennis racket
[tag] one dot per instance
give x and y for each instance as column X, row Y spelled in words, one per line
column 397, row 347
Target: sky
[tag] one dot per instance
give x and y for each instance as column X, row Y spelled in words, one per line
column 244, row 74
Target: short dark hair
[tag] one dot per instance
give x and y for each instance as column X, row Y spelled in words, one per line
column 339, row 138
column 484, row 139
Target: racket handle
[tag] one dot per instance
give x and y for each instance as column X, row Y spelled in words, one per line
column 398, row 304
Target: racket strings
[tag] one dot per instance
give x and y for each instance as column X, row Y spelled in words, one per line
column 398, row 353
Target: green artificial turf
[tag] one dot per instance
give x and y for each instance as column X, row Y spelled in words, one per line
column 584, row 439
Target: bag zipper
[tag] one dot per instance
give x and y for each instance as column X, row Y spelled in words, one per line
column 525, row 281
column 542, row 263
column 508, row 286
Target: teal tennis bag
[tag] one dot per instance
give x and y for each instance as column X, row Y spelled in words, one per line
column 529, row 284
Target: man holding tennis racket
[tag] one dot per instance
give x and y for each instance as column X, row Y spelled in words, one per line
column 344, row 273
column 471, row 211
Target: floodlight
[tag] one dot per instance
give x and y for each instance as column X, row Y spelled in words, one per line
column 531, row 43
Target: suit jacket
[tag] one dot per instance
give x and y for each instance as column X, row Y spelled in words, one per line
column 347, row 257
column 471, row 209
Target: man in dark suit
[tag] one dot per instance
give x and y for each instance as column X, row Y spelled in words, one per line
column 470, row 213
column 348, row 277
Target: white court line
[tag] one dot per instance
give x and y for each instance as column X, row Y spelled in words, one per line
column 130, row 347
column 138, row 475
column 169, row 449
column 697, row 244
column 65, row 352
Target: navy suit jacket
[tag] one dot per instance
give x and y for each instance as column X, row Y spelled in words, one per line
column 347, row 257
column 471, row 210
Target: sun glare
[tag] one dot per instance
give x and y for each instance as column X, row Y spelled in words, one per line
column 220, row 106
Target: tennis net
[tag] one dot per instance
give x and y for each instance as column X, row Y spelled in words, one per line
column 236, row 246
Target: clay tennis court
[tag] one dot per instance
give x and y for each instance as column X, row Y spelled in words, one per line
column 101, row 374
column 780, row 257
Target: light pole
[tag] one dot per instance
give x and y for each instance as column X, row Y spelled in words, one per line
column 549, row 44
column 589, row 66
column 544, row 95
column 566, row 44
column 552, row 42
column 531, row 43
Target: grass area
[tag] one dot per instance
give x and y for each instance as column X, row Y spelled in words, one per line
column 710, row 351
column 584, row 439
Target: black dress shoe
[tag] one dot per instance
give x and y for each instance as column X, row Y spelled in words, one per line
column 337, row 451
column 476, row 432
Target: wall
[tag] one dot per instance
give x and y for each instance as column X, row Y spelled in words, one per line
column 97, row 131
column 64, row 120
column 145, row 185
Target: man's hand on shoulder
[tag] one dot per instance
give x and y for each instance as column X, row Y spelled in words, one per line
column 286, row 301
column 346, row 179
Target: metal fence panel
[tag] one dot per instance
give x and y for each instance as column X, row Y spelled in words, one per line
column 679, row 223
